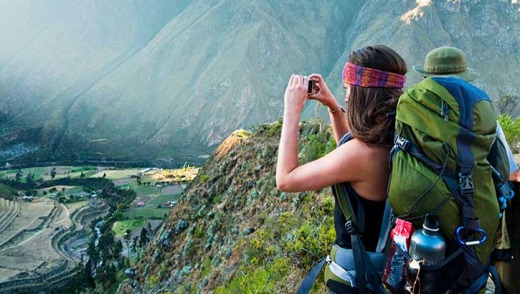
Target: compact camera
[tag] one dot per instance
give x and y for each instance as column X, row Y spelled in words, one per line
column 311, row 86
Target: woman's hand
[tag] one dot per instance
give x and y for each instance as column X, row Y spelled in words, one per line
column 322, row 92
column 296, row 93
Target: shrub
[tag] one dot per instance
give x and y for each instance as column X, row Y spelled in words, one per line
column 511, row 128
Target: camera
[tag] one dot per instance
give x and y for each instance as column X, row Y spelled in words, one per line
column 311, row 86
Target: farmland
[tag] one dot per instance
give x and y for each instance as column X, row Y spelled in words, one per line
column 33, row 251
column 45, row 231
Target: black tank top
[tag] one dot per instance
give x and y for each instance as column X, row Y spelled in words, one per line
column 373, row 218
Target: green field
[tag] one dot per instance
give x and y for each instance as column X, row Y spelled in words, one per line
column 113, row 174
column 74, row 190
column 146, row 213
column 146, row 190
column 7, row 191
column 161, row 199
column 119, row 228
column 45, row 172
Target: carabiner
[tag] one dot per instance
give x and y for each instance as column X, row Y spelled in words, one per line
column 471, row 243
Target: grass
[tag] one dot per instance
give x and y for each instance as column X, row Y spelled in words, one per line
column 45, row 171
column 146, row 190
column 161, row 199
column 118, row 174
column 74, row 190
column 83, row 169
column 120, row 227
column 39, row 172
column 6, row 191
column 7, row 172
column 146, row 213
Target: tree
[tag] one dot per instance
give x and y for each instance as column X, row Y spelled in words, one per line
column 53, row 173
column 92, row 253
column 507, row 105
column 19, row 175
column 135, row 243
column 118, row 248
column 89, row 280
column 30, row 178
column 149, row 234
column 143, row 238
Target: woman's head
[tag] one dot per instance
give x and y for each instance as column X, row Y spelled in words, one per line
column 375, row 77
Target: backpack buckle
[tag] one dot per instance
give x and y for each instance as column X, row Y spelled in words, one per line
column 349, row 226
column 401, row 142
column 466, row 184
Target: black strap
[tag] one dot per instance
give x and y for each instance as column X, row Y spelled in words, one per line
column 310, row 278
column 359, row 261
column 365, row 270
column 386, row 227
column 412, row 149
column 444, row 262
column 480, row 283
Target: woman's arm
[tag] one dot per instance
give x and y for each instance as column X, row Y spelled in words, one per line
column 338, row 122
column 294, row 99
column 342, row 164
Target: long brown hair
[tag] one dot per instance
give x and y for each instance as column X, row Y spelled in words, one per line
column 371, row 111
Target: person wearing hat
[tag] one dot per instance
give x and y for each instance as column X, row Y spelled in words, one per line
column 446, row 61
column 451, row 62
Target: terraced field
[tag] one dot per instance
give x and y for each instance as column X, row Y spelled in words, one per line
column 34, row 255
column 43, row 241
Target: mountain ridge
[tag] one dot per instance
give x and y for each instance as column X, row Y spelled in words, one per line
column 165, row 83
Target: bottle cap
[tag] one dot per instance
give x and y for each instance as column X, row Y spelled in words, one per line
column 431, row 222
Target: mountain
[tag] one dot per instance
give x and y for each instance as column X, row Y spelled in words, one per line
column 232, row 231
column 167, row 81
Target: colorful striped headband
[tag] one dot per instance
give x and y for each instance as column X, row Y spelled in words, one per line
column 371, row 78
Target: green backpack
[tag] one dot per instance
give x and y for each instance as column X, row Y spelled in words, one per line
column 447, row 161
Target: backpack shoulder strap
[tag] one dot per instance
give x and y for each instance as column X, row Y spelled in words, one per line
column 310, row 278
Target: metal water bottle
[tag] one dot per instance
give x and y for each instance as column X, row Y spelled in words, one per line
column 428, row 248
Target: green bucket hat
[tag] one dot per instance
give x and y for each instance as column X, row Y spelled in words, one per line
column 446, row 61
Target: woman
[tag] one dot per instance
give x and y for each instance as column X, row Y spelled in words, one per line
column 373, row 78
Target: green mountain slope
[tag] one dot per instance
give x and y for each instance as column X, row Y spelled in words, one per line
column 232, row 231
column 167, row 81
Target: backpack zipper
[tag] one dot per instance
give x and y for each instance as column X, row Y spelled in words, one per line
column 445, row 109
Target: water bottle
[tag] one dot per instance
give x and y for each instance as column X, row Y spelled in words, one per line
column 428, row 248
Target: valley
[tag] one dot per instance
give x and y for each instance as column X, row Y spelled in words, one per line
column 47, row 232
